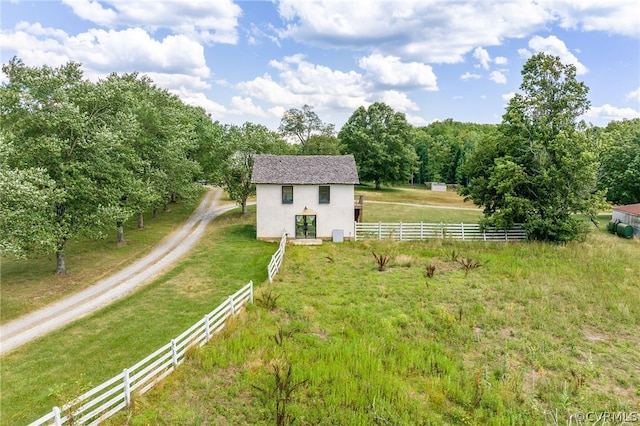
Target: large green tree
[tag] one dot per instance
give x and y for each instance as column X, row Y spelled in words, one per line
column 49, row 124
column 239, row 145
column 540, row 168
column 619, row 172
column 301, row 124
column 380, row 140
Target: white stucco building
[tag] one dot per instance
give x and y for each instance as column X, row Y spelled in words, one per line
column 306, row 196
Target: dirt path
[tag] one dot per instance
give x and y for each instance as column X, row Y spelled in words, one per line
column 108, row 290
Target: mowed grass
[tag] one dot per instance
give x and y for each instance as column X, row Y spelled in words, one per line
column 29, row 284
column 60, row 366
column 536, row 334
column 413, row 195
column 416, row 205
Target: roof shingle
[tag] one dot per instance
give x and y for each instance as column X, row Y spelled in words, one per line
column 631, row 208
column 304, row 169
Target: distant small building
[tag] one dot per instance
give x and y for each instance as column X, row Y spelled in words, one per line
column 630, row 215
column 306, row 196
column 439, row 186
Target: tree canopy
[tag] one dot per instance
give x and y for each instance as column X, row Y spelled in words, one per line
column 540, row 168
column 302, row 124
column 380, row 140
column 619, row 172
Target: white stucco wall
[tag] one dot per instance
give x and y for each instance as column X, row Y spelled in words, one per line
column 272, row 216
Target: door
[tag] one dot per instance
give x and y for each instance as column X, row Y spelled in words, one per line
column 306, row 226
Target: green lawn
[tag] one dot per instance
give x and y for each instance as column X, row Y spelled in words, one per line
column 29, row 284
column 61, row 365
column 536, row 334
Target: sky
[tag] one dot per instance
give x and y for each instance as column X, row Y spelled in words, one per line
column 250, row 61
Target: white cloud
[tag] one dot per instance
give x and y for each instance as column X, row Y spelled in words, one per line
column 429, row 32
column 482, row 56
column 245, row 106
column 497, row 77
column 210, row 22
column 634, row 96
column 617, row 17
column 501, row 60
column 468, row 76
column 507, row 96
column 554, row 46
column 608, row 112
column 389, row 70
column 399, row 101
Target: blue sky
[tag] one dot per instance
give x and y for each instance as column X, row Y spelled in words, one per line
column 253, row 60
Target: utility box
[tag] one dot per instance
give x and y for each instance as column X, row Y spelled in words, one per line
column 338, row 235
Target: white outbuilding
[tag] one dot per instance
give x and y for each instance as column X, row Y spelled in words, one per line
column 629, row 214
column 306, row 196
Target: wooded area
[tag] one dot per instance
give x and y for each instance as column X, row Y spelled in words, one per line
column 80, row 157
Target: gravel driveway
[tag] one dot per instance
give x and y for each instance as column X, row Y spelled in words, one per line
column 106, row 291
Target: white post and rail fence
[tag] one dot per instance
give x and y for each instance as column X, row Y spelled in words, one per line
column 276, row 259
column 421, row 231
column 103, row 401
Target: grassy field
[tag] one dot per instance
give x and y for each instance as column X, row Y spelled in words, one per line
column 26, row 285
column 537, row 331
column 61, row 365
column 539, row 334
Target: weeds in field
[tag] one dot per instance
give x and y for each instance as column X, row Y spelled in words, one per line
column 268, row 300
column 468, row 264
column 281, row 391
column 382, row 261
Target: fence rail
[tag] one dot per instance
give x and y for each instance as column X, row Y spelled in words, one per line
column 276, row 259
column 105, row 400
column 422, row 231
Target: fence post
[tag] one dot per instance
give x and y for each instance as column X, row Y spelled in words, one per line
column 441, row 230
column 462, row 225
column 56, row 416
column 355, row 231
column 400, row 230
column 484, row 235
column 251, row 292
column 174, row 353
column 421, row 231
column 379, row 230
column 127, row 387
column 506, row 235
column 207, row 329
column 231, row 306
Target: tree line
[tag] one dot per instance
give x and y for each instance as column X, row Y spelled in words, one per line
column 80, row 158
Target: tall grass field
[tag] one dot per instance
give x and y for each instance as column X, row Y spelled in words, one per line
column 533, row 334
column 446, row 333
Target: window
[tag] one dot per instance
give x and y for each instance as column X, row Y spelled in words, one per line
column 287, row 195
column 325, row 194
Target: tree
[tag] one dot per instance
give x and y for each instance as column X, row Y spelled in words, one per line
column 380, row 140
column 619, row 172
column 48, row 125
column 539, row 169
column 236, row 155
column 302, row 124
column 321, row 145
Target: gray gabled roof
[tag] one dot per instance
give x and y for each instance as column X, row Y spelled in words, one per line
column 304, row 169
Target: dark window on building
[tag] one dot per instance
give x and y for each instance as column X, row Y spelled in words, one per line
column 287, row 195
column 325, row 194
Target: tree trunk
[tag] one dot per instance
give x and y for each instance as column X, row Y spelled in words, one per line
column 174, row 198
column 244, row 206
column 61, row 268
column 165, row 208
column 155, row 212
column 120, row 227
column 140, row 221
column 377, row 184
